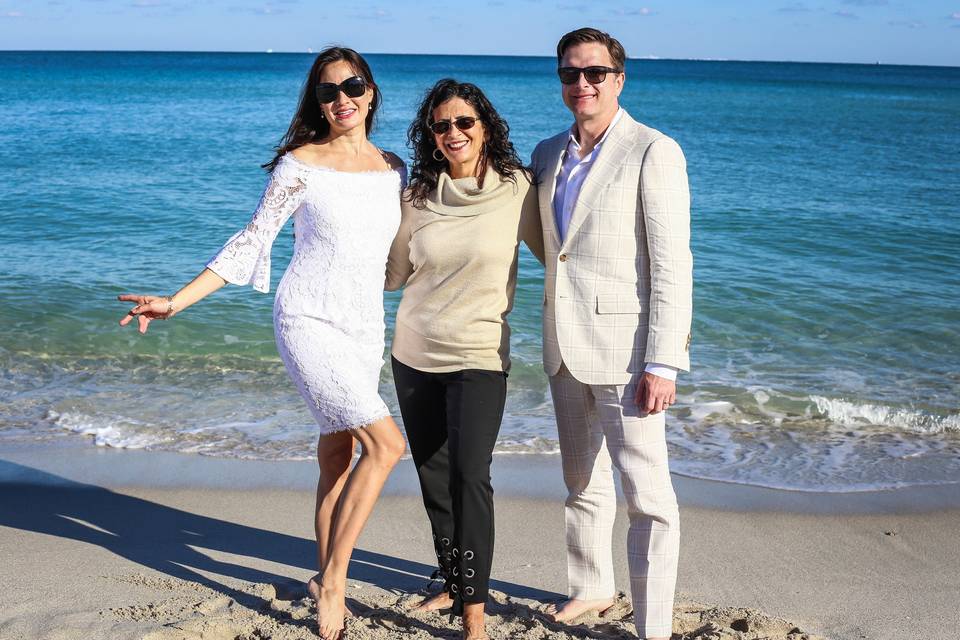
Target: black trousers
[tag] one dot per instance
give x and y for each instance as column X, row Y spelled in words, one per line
column 452, row 421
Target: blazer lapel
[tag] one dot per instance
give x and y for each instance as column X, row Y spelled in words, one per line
column 554, row 156
column 608, row 161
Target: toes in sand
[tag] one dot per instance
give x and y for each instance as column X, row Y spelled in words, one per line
column 570, row 610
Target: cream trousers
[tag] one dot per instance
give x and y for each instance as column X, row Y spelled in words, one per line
column 601, row 427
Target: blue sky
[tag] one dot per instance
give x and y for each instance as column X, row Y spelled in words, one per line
column 893, row 31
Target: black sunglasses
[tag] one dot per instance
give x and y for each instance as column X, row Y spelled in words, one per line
column 328, row 91
column 594, row 75
column 462, row 123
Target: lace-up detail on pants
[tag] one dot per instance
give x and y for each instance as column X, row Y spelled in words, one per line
column 452, row 421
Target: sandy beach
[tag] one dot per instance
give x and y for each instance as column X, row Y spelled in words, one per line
column 99, row 543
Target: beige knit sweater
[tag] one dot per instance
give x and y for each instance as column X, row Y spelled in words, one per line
column 457, row 261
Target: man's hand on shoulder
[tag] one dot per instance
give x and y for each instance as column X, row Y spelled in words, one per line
column 654, row 394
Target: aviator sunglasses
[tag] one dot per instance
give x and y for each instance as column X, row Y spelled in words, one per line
column 328, row 91
column 462, row 123
column 594, row 75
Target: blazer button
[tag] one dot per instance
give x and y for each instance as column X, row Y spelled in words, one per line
column 563, row 257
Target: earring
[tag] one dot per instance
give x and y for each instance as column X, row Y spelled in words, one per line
column 322, row 117
column 434, row 154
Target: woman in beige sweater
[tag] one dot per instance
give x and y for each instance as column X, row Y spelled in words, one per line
column 468, row 205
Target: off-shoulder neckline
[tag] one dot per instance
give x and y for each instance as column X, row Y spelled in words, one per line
column 321, row 167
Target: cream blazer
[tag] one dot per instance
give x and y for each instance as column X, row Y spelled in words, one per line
column 618, row 290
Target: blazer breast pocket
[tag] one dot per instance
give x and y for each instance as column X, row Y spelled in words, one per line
column 618, row 303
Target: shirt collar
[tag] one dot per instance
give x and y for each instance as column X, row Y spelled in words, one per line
column 574, row 145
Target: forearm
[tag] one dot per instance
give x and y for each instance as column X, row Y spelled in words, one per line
column 670, row 316
column 197, row 289
column 399, row 270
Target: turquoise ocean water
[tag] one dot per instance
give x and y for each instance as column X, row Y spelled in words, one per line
column 826, row 233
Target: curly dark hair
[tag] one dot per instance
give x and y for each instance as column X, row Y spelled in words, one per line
column 498, row 151
column 308, row 124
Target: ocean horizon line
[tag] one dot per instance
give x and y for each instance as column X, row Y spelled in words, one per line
column 644, row 58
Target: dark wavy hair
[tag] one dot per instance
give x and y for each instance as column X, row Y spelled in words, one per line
column 308, row 124
column 498, row 151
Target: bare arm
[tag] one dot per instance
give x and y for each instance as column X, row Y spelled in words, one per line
column 245, row 259
column 149, row 307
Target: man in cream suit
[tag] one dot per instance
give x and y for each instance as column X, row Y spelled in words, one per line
column 615, row 208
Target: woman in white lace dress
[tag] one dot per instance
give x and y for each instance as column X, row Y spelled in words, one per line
column 343, row 194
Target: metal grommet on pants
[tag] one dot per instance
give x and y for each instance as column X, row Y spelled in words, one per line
column 452, row 421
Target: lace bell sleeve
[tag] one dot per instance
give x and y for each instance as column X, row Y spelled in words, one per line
column 245, row 258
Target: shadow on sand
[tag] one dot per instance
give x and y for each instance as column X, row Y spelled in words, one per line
column 167, row 540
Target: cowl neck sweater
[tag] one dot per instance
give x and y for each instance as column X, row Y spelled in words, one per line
column 464, row 197
column 456, row 257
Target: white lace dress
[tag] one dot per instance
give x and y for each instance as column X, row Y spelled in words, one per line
column 328, row 313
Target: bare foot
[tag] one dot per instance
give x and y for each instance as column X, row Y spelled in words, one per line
column 570, row 609
column 331, row 610
column 474, row 622
column 313, row 588
column 440, row 601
